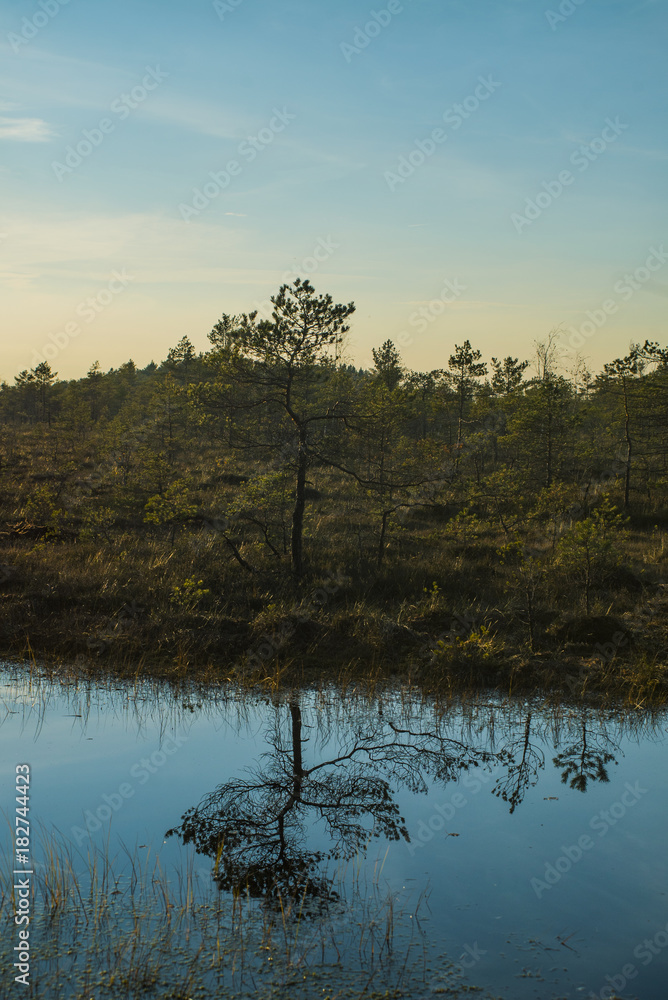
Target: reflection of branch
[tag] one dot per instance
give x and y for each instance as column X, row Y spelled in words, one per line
column 461, row 747
column 256, row 827
column 522, row 774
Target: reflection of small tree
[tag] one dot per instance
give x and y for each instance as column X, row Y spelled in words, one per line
column 586, row 760
column 589, row 549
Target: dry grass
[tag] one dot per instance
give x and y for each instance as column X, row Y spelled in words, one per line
column 129, row 601
column 119, row 926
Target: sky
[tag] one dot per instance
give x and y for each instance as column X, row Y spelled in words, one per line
column 460, row 169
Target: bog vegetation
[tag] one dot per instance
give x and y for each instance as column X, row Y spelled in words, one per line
column 264, row 507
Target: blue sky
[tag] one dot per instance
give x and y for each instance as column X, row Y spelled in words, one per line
column 157, row 96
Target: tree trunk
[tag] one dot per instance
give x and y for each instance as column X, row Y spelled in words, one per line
column 532, row 621
column 297, row 763
column 548, row 468
column 460, row 424
column 300, row 503
column 460, row 416
column 381, row 540
column 629, row 447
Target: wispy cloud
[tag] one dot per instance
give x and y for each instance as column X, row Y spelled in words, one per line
column 81, row 247
column 25, row 130
column 202, row 117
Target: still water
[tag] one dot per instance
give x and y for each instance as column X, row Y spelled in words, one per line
column 510, row 845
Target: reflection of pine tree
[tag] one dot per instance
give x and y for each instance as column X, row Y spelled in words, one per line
column 257, row 827
column 586, row 760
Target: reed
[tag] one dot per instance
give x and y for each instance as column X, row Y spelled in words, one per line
column 119, row 925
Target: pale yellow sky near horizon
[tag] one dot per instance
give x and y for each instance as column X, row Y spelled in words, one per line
column 63, row 303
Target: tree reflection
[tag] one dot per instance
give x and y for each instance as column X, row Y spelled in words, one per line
column 257, row 827
column 308, row 801
column 525, row 760
column 587, row 758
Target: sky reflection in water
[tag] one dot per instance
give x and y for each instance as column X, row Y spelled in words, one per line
column 538, row 834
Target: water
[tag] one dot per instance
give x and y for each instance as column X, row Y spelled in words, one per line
column 519, row 848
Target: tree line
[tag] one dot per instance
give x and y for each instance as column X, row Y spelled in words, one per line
column 274, row 407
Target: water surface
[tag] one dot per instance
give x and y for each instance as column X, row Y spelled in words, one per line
column 519, row 847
